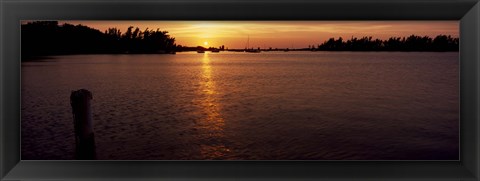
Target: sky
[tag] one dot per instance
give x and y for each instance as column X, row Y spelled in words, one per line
column 278, row 34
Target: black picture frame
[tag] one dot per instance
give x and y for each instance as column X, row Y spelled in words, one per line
column 12, row 11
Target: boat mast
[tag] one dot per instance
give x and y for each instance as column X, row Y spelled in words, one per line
column 248, row 42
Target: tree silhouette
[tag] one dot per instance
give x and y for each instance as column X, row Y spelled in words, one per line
column 411, row 43
column 40, row 38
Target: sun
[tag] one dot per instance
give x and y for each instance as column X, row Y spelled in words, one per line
column 205, row 43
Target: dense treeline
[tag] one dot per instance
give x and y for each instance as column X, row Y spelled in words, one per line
column 411, row 43
column 137, row 41
column 49, row 38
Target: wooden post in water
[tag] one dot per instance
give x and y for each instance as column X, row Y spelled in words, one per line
column 82, row 119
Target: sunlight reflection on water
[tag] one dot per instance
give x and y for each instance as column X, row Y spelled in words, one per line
column 243, row 106
column 211, row 126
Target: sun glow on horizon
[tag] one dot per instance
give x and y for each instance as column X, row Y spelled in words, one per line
column 279, row 34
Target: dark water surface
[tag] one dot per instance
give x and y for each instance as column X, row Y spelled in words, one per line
column 240, row 106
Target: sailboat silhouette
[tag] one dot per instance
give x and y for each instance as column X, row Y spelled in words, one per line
column 250, row 50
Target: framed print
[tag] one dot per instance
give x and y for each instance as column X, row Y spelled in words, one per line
column 252, row 90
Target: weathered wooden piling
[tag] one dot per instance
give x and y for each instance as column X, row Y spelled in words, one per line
column 82, row 119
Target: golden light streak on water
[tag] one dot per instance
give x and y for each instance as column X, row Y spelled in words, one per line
column 212, row 124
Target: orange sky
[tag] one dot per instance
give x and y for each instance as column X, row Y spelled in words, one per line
column 279, row 34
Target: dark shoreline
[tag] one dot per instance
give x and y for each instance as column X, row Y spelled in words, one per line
column 44, row 57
